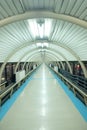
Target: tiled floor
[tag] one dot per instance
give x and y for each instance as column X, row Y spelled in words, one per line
column 43, row 105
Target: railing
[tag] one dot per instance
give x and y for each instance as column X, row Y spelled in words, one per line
column 2, row 85
column 8, row 91
column 79, row 81
column 75, row 83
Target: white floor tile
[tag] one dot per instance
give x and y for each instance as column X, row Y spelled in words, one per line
column 43, row 105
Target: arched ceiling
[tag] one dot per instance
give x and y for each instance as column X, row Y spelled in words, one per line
column 24, row 22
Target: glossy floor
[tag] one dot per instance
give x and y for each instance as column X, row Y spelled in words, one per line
column 43, row 105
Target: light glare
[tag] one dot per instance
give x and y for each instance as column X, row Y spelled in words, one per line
column 38, row 30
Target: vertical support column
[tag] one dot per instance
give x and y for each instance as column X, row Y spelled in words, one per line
column 5, row 73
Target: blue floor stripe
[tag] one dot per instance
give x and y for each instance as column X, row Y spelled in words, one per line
column 7, row 105
column 42, row 78
column 77, row 103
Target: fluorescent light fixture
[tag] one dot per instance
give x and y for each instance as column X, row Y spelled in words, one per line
column 48, row 25
column 33, row 28
column 39, row 44
column 42, row 45
column 40, row 28
column 45, row 44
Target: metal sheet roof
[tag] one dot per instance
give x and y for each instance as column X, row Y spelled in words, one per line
column 68, row 36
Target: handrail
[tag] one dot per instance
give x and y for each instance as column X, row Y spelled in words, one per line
column 14, row 85
column 78, row 80
column 76, row 88
column 2, row 91
column 72, row 84
column 3, row 83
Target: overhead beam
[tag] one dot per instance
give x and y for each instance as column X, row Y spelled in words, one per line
column 68, row 64
column 72, row 52
column 52, row 57
column 57, row 58
column 52, row 51
column 35, row 51
column 26, row 53
column 29, row 59
column 42, row 14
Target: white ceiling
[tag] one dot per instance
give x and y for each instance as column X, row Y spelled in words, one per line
column 63, row 33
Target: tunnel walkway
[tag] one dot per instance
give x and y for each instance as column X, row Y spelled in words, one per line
column 43, row 105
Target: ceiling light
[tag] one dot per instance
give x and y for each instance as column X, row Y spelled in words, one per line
column 45, row 44
column 40, row 23
column 48, row 25
column 36, row 28
column 33, row 28
column 40, row 28
column 42, row 45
